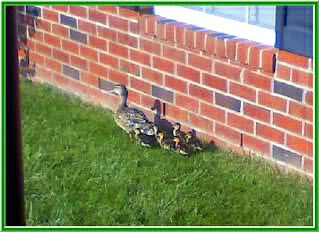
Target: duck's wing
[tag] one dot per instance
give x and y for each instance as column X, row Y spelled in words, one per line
column 137, row 119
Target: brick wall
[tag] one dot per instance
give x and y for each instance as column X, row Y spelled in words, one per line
column 234, row 92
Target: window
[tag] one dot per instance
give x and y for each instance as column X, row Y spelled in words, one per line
column 256, row 23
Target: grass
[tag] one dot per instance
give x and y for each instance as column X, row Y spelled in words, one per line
column 81, row 169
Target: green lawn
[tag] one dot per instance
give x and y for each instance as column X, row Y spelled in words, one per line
column 81, row 169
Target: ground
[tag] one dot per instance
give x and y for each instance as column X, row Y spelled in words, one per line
column 81, row 169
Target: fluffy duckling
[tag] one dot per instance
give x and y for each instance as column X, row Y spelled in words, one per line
column 182, row 148
column 178, row 133
column 144, row 139
column 193, row 141
column 164, row 142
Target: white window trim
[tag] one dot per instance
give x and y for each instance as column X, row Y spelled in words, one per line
column 219, row 24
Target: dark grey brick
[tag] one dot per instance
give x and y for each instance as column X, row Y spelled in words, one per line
column 71, row 72
column 288, row 90
column 78, row 36
column 286, row 156
column 67, row 20
column 33, row 10
column 162, row 93
column 105, row 85
column 228, row 102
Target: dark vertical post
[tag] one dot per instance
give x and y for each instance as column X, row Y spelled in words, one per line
column 15, row 215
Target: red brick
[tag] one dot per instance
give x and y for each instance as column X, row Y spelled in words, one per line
column 44, row 25
column 118, row 50
column 133, row 27
column 97, row 16
column 50, row 15
column 109, row 60
column 107, row 33
column 31, row 45
column 70, row 47
column 88, row 53
column 255, row 56
column 38, row 36
column 175, row 84
column 109, row 9
column 214, row 82
column 283, row 72
column 190, row 38
column 118, row 23
column 90, row 79
column 170, row 27
column 187, row 103
column 130, row 67
column 200, row 62
column 308, row 165
column 242, row 52
column 200, row 40
column 60, row 8
column 150, row 25
column 98, row 43
column 256, row 144
column 152, row 75
column 52, row 40
column 188, row 73
column 140, row 85
column 176, row 113
column 240, row 122
column 118, row 77
column 228, row 71
column 287, row 123
column 220, row 48
column 273, row 102
column 140, row 57
column 201, row 123
column 180, row 34
column 42, row 49
column 160, row 31
column 60, row 80
column 300, row 110
column 256, row 80
column 150, row 46
column 228, row 134
column 242, row 91
column 79, row 62
column 268, row 59
column 142, row 24
column 147, row 101
column 302, row 78
column 308, row 130
column 98, row 70
column 44, row 73
column 309, row 98
column 257, row 112
column 60, row 30
column 87, row 27
column 53, row 65
column 60, row 55
column 300, row 145
column 78, row 11
column 35, row 57
column 174, row 54
column 163, row 64
column 212, row 112
column 270, row 133
column 129, row 13
column 230, row 49
column 126, row 39
column 293, row 59
column 200, row 93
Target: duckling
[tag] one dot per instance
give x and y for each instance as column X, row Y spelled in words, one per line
column 143, row 139
column 193, row 141
column 178, row 133
column 164, row 142
column 182, row 148
column 130, row 118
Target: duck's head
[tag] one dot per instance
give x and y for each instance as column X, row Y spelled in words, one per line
column 188, row 135
column 177, row 126
column 119, row 90
column 137, row 131
column 160, row 135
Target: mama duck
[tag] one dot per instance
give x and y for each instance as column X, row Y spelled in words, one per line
column 130, row 118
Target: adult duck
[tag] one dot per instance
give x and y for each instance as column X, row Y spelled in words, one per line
column 130, row 118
